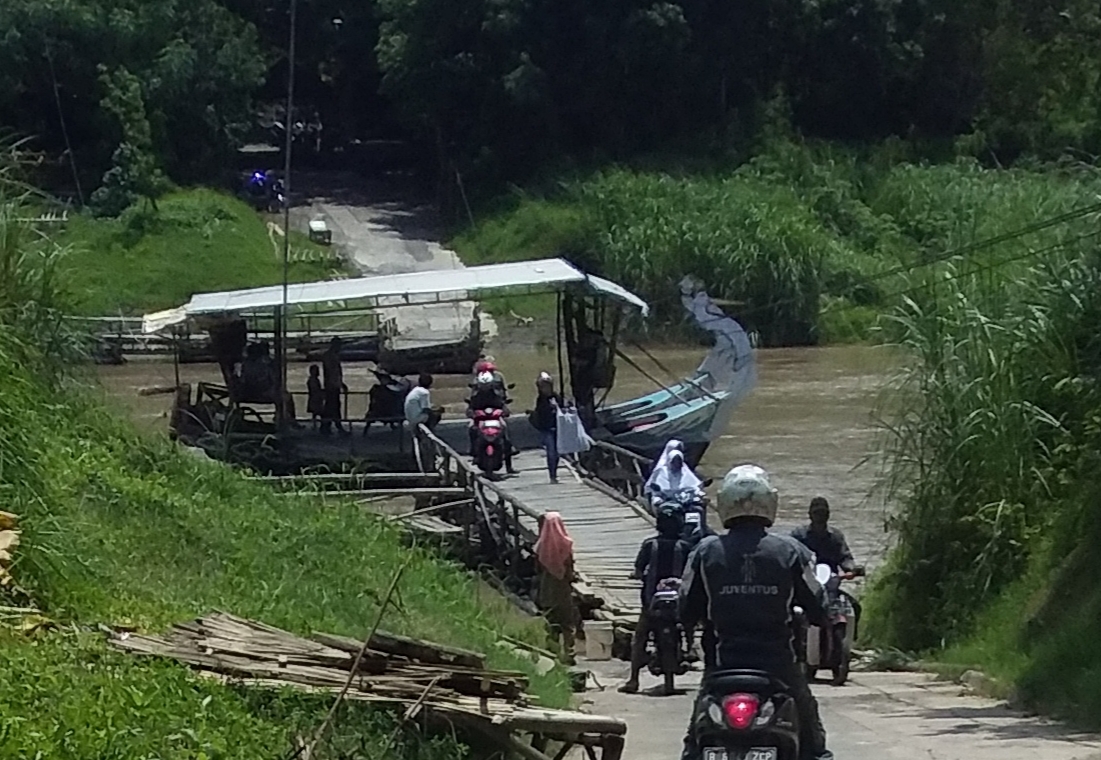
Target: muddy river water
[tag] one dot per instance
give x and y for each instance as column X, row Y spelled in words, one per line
column 809, row 421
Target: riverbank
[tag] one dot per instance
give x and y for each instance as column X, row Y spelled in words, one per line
column 810, row 243
column 993, row 458
column 197, row 240
column 124, row 531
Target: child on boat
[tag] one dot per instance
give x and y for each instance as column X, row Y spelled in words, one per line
column 315, row 396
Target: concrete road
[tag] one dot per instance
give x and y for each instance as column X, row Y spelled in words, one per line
column 384, row 228
column 877, row 716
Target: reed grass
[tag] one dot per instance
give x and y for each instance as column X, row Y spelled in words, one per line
column 992, row 455
column 814, row 241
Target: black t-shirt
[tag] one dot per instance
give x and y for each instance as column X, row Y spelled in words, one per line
column 829, row 546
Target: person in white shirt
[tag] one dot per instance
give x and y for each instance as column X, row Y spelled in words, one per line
column 418, row 405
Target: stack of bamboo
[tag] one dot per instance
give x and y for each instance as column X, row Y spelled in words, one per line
column 392, row 668
column 9, row 540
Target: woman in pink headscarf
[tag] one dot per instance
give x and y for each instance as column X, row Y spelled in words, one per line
column 554, row 553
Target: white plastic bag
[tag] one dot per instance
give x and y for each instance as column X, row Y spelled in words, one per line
column 571, row 435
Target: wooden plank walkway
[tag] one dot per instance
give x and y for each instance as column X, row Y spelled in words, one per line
column 606, row 531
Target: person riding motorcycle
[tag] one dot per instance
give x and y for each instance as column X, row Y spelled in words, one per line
column 672, row 480
column 660, row 557
column 829, row 547
column 746, row 581
column 828, row 544
column 488, row 393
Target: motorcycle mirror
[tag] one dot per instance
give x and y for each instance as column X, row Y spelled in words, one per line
column 510, row 386
column 707, row 482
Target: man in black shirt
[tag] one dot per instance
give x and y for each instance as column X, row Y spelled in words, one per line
column 828, row 544
column 660, row 557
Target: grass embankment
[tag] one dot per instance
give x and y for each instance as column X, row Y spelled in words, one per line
column 994, row 461
column 196, row 241
column 119, row 529
column 810, row 240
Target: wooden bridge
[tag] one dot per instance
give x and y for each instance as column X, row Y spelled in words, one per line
column 492, row 524
column 597, row 500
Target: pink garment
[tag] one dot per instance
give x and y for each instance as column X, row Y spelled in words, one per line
column 554, row 548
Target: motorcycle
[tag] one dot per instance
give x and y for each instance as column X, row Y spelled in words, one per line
column 692, row 503
column 830, row 647
column 669, row 657
column 386, row 400
column 490, row 439
column 745, row 715
column 488, row 408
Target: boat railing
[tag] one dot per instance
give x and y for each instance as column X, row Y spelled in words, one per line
column 620, row 468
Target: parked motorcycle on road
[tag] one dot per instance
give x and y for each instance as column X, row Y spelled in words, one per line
column 669, row 656
column 745, row 715
column 386, row 400
column 829, row 648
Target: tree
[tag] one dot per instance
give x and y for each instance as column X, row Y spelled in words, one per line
column 135, row 174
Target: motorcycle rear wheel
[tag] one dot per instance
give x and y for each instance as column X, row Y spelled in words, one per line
column 669, row 660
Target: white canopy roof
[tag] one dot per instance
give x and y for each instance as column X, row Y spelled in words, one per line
column 434, row 286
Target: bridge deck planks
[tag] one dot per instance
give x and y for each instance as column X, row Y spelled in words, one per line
column 606, row 532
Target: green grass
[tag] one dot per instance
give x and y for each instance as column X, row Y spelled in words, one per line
column 199, row 240
column 991, row 448
column 68, row 696
column 812, row 239
column 123, row 529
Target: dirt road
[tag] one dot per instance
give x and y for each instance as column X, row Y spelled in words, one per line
column 384, row 228
column 877, row 716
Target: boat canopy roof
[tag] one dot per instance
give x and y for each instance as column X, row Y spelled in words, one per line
column 410, row 288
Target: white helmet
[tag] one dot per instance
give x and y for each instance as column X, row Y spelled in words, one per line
column 485, row 378
column 746, row 492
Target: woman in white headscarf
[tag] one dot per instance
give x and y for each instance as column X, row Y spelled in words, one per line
column 671, row 474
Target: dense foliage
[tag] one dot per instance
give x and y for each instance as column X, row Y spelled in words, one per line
column 993, row 456
column 809, row 243
column 193, row 62
column 499, row 88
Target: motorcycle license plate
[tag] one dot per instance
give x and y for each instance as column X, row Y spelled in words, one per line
column 753, row 753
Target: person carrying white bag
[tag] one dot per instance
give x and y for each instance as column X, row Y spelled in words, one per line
column 572, row 437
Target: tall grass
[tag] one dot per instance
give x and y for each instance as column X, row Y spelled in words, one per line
column 992, row 456
column 811, row 241
column 122, row 530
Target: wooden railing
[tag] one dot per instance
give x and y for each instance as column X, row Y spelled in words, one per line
column 623, row 470
column 504, row 525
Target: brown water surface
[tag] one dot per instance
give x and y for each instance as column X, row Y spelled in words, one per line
column 808, row 422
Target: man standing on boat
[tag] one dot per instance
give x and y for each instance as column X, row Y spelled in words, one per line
column 334, row 386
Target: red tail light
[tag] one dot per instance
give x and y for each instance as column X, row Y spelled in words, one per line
column 740, row 710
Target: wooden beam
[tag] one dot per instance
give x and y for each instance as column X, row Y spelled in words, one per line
column 340, row 477
column 428, row 510
column 426, row 491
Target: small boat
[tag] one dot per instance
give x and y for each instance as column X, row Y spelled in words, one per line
column 698, row 409
column 590, row 309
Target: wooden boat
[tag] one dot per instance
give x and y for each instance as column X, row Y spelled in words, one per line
column 695, row 410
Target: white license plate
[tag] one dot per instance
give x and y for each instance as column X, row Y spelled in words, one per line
column 754, row 753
